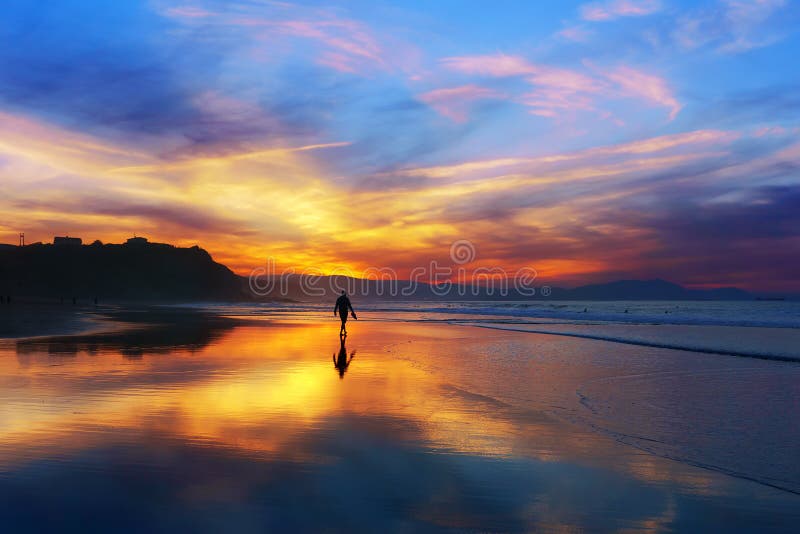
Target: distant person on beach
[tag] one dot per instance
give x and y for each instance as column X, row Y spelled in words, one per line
column 342, row 306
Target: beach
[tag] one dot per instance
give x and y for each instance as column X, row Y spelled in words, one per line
column 30, row 319
column 247, row 419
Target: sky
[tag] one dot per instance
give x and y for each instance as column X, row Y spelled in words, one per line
column 590, row 141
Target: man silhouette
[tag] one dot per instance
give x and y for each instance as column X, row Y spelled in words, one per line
column 342, row 306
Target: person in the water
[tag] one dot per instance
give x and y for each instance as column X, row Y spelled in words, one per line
column 342, row 306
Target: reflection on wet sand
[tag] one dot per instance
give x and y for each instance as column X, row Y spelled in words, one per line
column 164, row 332
column 250, row 418
column 342, row 361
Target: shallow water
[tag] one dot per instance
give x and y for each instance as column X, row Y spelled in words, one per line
column 428, row 427
column 772, row 314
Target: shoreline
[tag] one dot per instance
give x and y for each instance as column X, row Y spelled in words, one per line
column 27, row 320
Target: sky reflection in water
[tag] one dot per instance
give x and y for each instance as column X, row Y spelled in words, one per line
column 224, row 427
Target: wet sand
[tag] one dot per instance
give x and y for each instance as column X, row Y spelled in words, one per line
column 225, row 424
column 27, row 319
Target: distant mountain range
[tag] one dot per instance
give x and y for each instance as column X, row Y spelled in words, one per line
column 325, row 288
column 142, row 271
column 652, row 290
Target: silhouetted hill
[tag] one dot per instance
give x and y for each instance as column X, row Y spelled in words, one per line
column 138, row 271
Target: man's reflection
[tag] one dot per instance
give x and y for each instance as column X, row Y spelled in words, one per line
column 342, row 362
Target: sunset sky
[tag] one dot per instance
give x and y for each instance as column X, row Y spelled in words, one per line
column 589, row 141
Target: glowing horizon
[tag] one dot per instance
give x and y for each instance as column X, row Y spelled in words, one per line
column 590, row 141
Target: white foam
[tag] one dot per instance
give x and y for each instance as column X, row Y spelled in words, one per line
column 752, row 342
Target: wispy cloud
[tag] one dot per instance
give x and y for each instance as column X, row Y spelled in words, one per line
column 350, row 44
column 732, row 26
column 188, row 12
column 612, row 9
column 345, row 44
column 455, row 102
column 645, row 86
column 556, row 91
column 695, row 140
column 577, row 34
column 498, row 65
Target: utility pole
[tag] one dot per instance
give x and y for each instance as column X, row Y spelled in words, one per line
column 22, row 239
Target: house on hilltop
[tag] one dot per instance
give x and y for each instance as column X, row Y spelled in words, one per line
column 136, row 241
column 67, row 241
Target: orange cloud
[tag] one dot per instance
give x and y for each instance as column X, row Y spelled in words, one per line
column 62, row 182
column 281, row 202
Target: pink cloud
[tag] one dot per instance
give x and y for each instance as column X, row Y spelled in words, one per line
column 346, row 36
column 344, row 44
column 549, row 102
column 565, row 79
column 455, row 102
column 612, row 9
column 693, row 139
column 558, row 90
column 347, row 45
column 656, row 149
column 648, row 87
column 497, row 65
column 555, row 90
column 575, row 33
column 188, row 12
column 340, row 62
column 775, row 131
